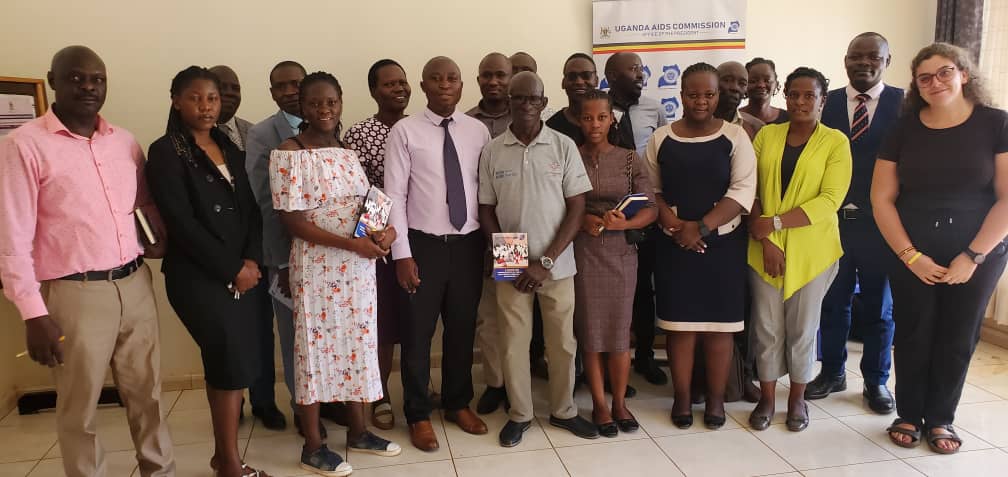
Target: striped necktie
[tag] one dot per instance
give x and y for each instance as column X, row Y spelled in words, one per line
column 859, row 125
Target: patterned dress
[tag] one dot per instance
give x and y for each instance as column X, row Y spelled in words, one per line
column 335, row 341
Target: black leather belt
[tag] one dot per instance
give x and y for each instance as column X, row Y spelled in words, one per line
column 117, row 273
column 449, row 238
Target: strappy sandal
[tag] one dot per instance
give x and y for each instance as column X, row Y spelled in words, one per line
column 382, row 416
column 246, row 471
column 915, row 433
column 932, row 439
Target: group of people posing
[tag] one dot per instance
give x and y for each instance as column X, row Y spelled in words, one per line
column 760, row 226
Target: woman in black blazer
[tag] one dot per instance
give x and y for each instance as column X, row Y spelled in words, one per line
column 197, row 178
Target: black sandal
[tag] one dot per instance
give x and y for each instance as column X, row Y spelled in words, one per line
column 915, row 433
column 933, row 439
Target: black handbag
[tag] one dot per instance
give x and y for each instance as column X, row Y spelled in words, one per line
column 635, row 236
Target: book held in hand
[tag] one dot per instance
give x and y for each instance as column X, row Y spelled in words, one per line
column 375, row 213
column 145, row 226
column 630, row 204
column 510, row 255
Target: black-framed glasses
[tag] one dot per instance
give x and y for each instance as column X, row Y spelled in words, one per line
column 584, row 75
column 531, row 100
column 943, row 74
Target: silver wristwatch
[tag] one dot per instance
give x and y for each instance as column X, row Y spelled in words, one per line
column 546, row 262
column 778, row 224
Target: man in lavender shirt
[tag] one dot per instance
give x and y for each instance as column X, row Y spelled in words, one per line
column 432, row 176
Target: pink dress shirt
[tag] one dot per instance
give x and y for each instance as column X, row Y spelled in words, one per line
column 415, row 178
column 66, row 205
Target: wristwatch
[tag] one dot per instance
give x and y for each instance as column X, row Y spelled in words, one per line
column 778, row 224
column 546, row 262
column 704, row 231
column 977, row 258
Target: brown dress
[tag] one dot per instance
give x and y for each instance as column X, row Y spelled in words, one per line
column 607, row 265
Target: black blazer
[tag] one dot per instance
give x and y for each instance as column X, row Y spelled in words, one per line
column 212, row 228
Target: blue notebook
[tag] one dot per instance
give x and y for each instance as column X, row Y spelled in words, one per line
column 630, row 204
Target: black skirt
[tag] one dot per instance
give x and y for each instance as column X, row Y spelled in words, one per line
column 226, row 330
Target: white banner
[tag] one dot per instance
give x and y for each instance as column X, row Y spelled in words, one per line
column 669, row 35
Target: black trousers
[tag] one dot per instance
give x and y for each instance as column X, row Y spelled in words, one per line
column 643, row 321
column 262, row 393
column 451, row 278
column 937, row 327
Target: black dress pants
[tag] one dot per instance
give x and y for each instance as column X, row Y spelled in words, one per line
column 938, row 326
column 451, row 280
column 643, row 321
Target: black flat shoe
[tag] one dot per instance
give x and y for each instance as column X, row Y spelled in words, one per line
column 823, row 385
column 684, row 421
column 491, row 399
column 713, row 422
column 608, row 429
column 628, row 425
column 271, row 417
column 759, row 422
column 577, row 425
column 879, row 399
column 511, row 434
column 651, row 372
column 798, row 423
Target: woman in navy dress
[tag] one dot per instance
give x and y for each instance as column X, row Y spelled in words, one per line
column 703, row 169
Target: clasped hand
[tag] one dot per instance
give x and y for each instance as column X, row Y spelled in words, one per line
column 531, row 279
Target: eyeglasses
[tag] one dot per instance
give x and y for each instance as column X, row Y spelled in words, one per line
column 531, row 100
column 572, row 76
column 943, row 74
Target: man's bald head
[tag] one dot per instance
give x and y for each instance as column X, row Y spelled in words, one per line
column 522, row 61
column 527, row 100
column 230, row 92
column 441, row 81
column 77, row 76
column 733, row 82
column 526, row 83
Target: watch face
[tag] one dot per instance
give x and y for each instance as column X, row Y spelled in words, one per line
column 546, row 262
column 979, row 258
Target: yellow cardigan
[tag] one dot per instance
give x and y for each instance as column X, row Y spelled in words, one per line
column 819, row 185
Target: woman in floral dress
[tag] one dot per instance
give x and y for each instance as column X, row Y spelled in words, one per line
column 319, row 187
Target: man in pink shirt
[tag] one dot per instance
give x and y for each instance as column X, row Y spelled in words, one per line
column 71, row 262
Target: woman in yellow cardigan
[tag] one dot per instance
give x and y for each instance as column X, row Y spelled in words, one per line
column 803, row 172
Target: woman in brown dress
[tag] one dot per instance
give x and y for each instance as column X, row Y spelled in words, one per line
column 607, row 263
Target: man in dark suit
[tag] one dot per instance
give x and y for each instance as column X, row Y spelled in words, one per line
column 230, row 91
column 865, row 110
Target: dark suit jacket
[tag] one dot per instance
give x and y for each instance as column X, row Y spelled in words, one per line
column 212, row 227
column 262, row 139
column 865, row 149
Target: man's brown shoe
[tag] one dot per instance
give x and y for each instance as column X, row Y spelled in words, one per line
column 422, row 436
column 467, row 420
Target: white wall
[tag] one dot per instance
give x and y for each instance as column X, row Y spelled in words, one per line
column 145, row 43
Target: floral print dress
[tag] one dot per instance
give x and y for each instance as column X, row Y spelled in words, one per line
column 335, row 338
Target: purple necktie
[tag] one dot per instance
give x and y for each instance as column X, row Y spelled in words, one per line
column 860, row 122
column 453, row 180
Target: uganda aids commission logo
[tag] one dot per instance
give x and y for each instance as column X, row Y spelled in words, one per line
column 673, row 29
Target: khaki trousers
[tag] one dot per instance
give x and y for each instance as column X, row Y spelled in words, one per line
column 109, row 323
column 514, row 313
column 488, row 335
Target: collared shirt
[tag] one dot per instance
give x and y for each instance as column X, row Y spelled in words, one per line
column 231, row 129
column 852, row 102
column 751, row 124
column 66, row 205
column 415, row 177
column 496, row 123
column 646, row 116
column 294, row 121
column 528, row 184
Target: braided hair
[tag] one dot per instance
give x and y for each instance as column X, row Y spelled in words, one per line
column 321, row 77
column 591, row 95
column 176, row 130
column 696, row 68
column 806, row 72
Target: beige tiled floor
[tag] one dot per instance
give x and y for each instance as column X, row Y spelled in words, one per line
column 844, row 439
